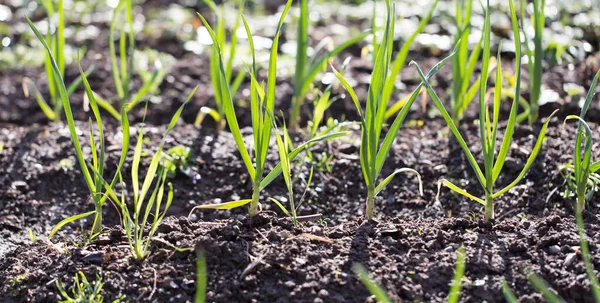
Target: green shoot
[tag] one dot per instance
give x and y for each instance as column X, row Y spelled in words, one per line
column 375, row 289
column 541, row 286
column 463, row 63
column 308, row 68
column 459, row 271
column 583, row 167
column 138, row 236
column 177, row 159
column 372, row 153
column 262, row 108
column 93, row 183
column 397, row 65
column 509, row 295
column 283, row 146
column 201, row 277
column 56, row 43
column 234, row 83
column 83, row 290
column 535, row 56
column 122, row 65
column 488, row 126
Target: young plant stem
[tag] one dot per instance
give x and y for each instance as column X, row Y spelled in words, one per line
column 97, row 227
column 489, row 206
column 255, row 200
column 370, row 210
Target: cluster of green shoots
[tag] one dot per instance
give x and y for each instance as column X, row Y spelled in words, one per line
column 83, row 290
column 263, row 119
column 134, row 221
column 121, row 66
column 381, row 296
column 493, row 159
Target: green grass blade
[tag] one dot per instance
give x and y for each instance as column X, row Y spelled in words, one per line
column 530, row 160
column 585, row 252
column 387, row 180
column 508, row 293
column 459, row 271
column 229, row 109
column 201, row 277
column 277, row 169
column 67, row 106
column 386, row 145
column 313, row 70
column 301, row 48
column 540, row 285
column 29, row 86
column 113, row 53
column 375, row 289
column 78, row 80
column 67, row 221
column 512, row 119
column 226, row 205
column 459, row 190
column 283, row 209
column 488, row 155
column 400, row 59
column 142, row 92
column 453, row 129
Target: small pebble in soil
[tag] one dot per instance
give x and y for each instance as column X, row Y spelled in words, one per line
column 569, row 259
column 449, row 249
column 554, row 249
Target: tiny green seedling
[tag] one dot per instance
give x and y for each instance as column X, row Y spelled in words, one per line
column 83, row 290
column 373, row 153
column 308, row 68
column 286, row 169
column 262, row 109
column 488, row 126
column 234, row 83
column 177, row 159
column 56, row 43
column 581, row 172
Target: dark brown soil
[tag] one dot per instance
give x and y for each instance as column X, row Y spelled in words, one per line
column 411, row 251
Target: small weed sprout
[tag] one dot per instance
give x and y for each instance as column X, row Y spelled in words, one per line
column 56, row 43
column 262, row 108
column 372, row 153
column 581, row 174
column 218, row 114
column 488, row 126
column 177, row 159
